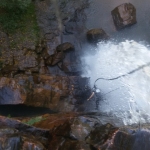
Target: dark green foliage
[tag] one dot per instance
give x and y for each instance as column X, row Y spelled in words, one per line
column 12, row 13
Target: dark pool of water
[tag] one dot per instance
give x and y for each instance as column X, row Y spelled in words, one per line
column 22, row 111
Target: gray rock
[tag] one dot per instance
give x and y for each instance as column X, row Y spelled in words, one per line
column 64, row 47
column 96, row 35
column 54, row 59
column 15, row 135
column 98, row 137
column 42, row 91
column 124, row 15
column 28, row 60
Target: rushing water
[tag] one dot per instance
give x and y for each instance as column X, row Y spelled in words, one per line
column 129, row 99
column 129, row 50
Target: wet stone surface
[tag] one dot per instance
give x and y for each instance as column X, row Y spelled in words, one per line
column 15, row 135
column 47, row 75
column 96, row 35
column 57, row 93
column 124, row 15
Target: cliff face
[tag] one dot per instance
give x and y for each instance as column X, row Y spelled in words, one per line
column 40, row 64
column 48, row 45
column 49, row 24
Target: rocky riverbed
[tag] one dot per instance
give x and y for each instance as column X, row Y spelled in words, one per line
column 43, row 93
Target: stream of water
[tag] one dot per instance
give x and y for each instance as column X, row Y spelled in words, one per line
column 128, row 50
column 130, row 101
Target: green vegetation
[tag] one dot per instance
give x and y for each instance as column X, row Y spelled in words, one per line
column 18, row 20
column 34, row 120
column 9, row 115
column 12, row 13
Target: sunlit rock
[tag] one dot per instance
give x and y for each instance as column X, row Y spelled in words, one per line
column 124, row 15
column 96, row 35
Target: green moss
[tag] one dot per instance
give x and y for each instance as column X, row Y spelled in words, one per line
column 34, row 120
column 18, row 20
column 12, row 12
column 30, row 22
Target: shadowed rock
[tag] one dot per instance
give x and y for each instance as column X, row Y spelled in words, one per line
column 135, row 140
column 100, row 135
column 51, row 92
column 9, row 70
column 68, row 130
column 15, row 135
column 124, row 15
column 54, row 59
column 96, row 35
column 64, row 47
column 45, row 53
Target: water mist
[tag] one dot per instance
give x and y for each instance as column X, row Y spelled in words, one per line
column 128, row 96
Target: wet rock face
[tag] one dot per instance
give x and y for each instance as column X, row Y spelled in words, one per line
column 122, row 140
column 136, row 140
column 65, row 47
column 15, row 135
column 72, row 18
column 124, row 15
column 28, row 61
column 96, row 35
column 55, row 59
column 16, row 142
column 57, row 93
column 71, row 133
column 98, row 137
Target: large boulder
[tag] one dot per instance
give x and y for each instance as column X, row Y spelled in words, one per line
column 124, row 15
column 70, row 65
column 96, row 35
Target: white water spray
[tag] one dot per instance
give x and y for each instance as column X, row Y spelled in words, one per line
column 131, row 101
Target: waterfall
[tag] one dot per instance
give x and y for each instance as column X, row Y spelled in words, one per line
column 130, row 101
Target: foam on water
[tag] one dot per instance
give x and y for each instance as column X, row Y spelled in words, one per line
column 130, row 101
